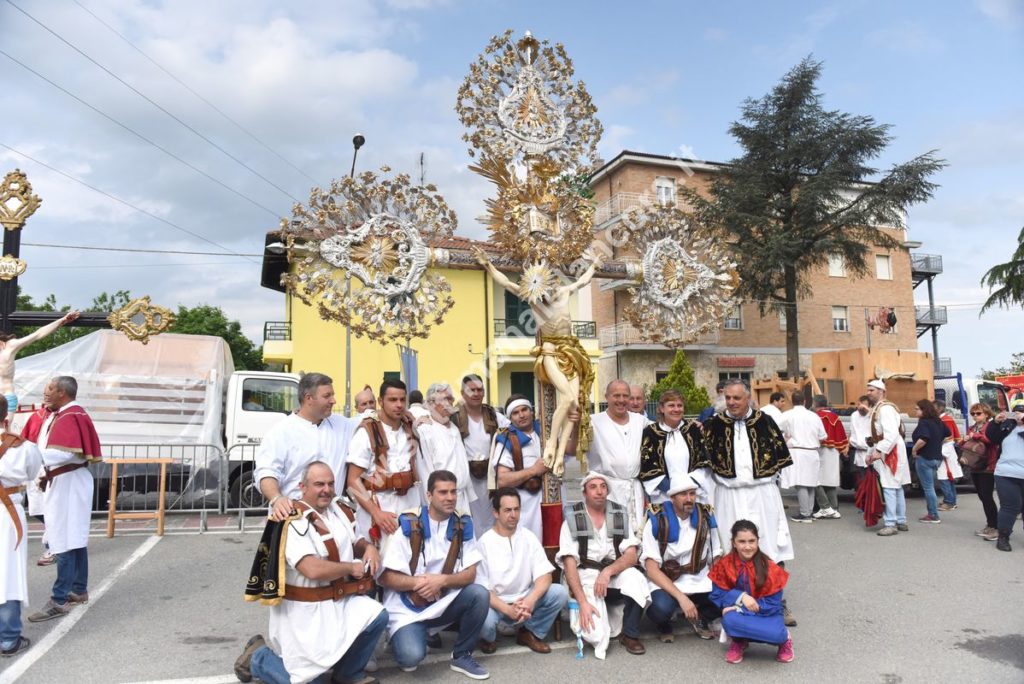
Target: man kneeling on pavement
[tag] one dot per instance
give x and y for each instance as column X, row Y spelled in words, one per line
column 680, row 543
column 324, row 622
column 598, row 553
column 430, row 566
column 518, row 574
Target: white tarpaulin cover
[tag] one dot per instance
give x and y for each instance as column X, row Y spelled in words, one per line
column 170, row 391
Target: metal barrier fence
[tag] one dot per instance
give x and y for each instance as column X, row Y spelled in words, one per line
column 243, row 493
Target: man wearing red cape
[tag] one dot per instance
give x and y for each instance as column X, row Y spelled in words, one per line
column 68, row 442
column 834, row 444
column 888, row 456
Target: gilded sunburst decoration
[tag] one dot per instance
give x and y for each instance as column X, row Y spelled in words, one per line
column 688, row 280
column 538, row 283
column 374, row 229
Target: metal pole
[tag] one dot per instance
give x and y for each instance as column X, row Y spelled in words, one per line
column 357, row 142
column 932, row 317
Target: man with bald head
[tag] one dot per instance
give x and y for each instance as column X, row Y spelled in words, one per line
column 615, row 451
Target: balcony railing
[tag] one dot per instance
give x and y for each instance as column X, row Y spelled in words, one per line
column 930, row 315
column 621, row 202
column 504, row 327
column 277, row 331
column 624, row 334
column 943, row 366
column 926, row 264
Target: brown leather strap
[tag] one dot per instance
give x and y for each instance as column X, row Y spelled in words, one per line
column 399, row 482
column 5, row 499
column 52, row 473
column 588, row 564
column 416, row 541
column 531, row 485
column 338, row 588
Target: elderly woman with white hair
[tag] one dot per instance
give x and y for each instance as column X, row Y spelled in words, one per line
column 441, row 443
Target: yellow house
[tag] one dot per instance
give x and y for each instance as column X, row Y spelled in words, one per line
column 487, row 332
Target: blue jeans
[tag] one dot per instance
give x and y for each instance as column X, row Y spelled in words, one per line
column 539, row 624
column 268, row 666
column 663, row 608
column 468, row 610
column 926, row 471
column 895, row 506
column 72, row 574
column 948, row 488
column 10, row 623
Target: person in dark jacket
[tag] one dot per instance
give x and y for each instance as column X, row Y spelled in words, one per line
column 928, row 437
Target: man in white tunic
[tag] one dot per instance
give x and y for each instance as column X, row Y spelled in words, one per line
column 430, row 569
column 19, row 462
column 604, row 573
column 382, row 477
column 68, row 442
column 860, row 434
column 888, row 456
column 518, row 461
column 804, row 435
column 478, row 423
column 442, row 444
column 775, row 406
column 680, row 543
column 324, row 621
column 313, row 433
column 615, row 451
column 744, row 452
column 518, row 574
column 835, row 442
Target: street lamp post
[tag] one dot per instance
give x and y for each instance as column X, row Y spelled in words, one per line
column 357, row 142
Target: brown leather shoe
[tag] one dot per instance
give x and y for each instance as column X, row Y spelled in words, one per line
column 488, row 647
column 632, row 645
column 528, row 639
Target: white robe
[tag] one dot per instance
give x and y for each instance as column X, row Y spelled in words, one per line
column 67, row 502
column 951, row 470
column 311, row 636
column 758, row 500
column 443, row 450
column 804, row 434
column 680, row 551
column 887, row 420
column 294, row 442
column 677, row 463
column 631, row 582
column 615, row 453
column 529, row 504
column 396, row 556
column 773, row 411
column 478, row 448
column 399, row 458
column 860, row 431
column 17, row 467
column 511, row 565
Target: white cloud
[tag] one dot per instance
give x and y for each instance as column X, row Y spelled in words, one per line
column 909, row 37
column 1002, row 12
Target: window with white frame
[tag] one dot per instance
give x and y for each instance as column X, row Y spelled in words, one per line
column 840, row 319
column 883, row 266
column 836, row 266
column 665, row 190
column 782, row 321
column 734, row 319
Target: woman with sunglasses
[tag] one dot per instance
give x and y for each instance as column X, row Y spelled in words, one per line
column 983, row 477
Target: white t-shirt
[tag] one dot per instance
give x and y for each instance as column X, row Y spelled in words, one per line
column 512, row 564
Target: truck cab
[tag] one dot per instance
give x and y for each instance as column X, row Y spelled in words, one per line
column 960, row 392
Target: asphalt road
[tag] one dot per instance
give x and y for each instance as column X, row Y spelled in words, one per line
column 937, row 604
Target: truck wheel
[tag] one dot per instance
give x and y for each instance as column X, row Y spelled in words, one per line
column 244, row 492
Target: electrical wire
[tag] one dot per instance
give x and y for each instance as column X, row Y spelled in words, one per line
column 119, row 200
column 155, row 104
column 196, row 94
column 112, row 266
column 136, row 250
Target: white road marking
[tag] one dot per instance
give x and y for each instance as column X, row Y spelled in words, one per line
column 41, row 647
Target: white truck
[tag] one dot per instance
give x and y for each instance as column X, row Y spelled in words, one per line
column 177, row 396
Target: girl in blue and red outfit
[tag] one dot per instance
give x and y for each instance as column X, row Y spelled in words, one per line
column 747, row 586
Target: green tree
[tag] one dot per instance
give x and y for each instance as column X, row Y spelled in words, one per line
column 104, row 302
column 802, row 191
column 680, row 378
column 1007, row 280
column 1016, row 367
column 211, row 320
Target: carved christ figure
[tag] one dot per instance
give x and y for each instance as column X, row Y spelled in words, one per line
column 561, row 360
column 9, row 348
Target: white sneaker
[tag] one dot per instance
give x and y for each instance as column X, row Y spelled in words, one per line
column 821, row 513
column 834, row 514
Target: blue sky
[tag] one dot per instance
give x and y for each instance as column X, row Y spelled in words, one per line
column 304, row 77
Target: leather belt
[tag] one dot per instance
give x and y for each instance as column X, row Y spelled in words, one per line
column 334, row 591
column 5, row 499
column 399, row 482
column 52, row 473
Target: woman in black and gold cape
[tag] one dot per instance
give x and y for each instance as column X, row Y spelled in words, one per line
column 669, row 447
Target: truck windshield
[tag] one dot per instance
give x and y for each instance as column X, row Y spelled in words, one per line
column 993, row 395
column 269, row 394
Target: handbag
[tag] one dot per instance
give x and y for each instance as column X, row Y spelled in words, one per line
column 974, row 454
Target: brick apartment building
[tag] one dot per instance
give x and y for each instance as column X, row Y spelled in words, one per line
column 748, row 345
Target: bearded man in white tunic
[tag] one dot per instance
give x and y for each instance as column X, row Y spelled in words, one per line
column 518, row 574
column 322, row 622
column 442, row 445
column 19, row 462
column 478, row 423
column 615, row 451
column 602, row 577
column 313, row 433
column 804, row 435
column 888, row 456
column 518, row 461
column 382, row 476
column 860, row 435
